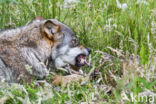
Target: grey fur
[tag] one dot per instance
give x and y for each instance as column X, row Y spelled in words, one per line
column 29, row 45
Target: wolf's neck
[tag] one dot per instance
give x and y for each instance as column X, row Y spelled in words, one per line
column 13, row 34
column 10, row 34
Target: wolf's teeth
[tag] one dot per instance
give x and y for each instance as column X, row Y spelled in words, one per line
column 82, row 60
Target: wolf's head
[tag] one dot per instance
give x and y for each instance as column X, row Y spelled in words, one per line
column 66, row 48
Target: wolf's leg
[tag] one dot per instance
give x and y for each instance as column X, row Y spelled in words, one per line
column 33, row 59
column 5, row 73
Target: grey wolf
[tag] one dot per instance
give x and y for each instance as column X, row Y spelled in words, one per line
column 24, row 50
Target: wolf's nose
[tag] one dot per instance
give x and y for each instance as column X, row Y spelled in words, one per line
column 89, row 50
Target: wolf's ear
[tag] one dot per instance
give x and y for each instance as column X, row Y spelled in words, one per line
column 49, row 28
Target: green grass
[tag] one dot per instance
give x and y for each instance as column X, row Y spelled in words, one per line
column 99, row 24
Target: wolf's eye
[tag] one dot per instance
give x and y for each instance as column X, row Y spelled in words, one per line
column 74, row 42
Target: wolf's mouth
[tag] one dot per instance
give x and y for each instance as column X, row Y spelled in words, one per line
column 81, row 60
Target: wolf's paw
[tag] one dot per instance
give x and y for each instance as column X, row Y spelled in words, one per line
column 41, row 71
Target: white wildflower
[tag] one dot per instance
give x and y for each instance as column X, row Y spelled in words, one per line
column 142, row 2
column 121, row 6
column 70, row 3
column 108, row 27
